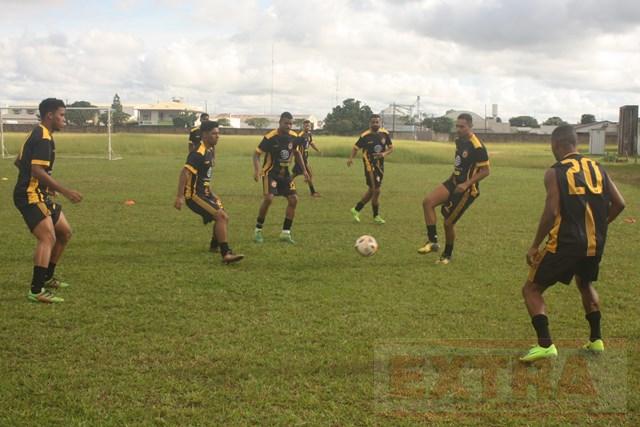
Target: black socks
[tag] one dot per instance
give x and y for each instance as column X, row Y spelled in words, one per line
column 432, row 234
column 594, row 324
column 39, row 277
column 541, row 325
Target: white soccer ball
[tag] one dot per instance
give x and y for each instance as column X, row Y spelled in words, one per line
column 366, row 245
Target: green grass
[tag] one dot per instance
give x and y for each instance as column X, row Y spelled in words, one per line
column 155, row 331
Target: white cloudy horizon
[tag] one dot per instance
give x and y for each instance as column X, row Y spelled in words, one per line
column 541, row 58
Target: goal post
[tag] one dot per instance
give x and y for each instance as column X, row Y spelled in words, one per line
column 80, row 121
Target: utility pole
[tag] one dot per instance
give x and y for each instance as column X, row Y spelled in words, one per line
column 272, row 76
column 393, row 122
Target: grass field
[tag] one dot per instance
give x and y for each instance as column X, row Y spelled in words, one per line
column 155, row 331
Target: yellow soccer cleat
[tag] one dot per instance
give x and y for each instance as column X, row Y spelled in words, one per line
column 596, row 346
column 537, row 353
column 429, row 247
column 444, row 260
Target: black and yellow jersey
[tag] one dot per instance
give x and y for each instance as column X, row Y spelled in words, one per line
column 278, row 149
column 580, row 227
column 371, row 143
column 38, row 149
column 305, row 140
column 200, row 164
column 471, row 154
column 195, row 136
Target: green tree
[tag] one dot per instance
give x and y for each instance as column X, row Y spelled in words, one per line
column 185, row 119
column 442, row 124
column 349, row 118
column 118, row 117
column 81, row 117
column 223, row 121
column 587, row 118
column 524, row 121
column 554, row 121
column 258, row 122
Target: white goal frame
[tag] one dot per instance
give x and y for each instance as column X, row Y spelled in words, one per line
column 4, row 153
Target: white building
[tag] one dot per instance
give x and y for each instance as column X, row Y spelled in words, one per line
column 239, row 121
column 163, row 113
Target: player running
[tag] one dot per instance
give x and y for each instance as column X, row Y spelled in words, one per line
column 279, row 146
column 306, row 142
column 375, row 144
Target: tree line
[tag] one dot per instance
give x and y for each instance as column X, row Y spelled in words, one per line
column 352, row 116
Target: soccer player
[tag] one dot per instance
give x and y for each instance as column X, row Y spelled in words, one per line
column 306, row 142
column 375, row 144
column 459, row 191
column 581, row 201
column 195, row 134
column 33, row 196
column 279, row 146
column 194, row 187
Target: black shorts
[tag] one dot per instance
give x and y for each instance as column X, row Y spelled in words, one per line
column 33, row 213
column 205, row 206
column 278, row 184
column 373, row 174
column 457, row 203
column 551, row 268
column 297, row 170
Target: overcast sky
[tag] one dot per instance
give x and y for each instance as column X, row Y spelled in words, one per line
column 540, row 57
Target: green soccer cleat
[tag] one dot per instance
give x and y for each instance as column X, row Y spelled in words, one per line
column 429, row 247
column 596, row 346
column 54, row 283
column 537, row 353
column 355, row 214
column 378, row 220
column 257, row 236
column 286, row 237
column 45, row 297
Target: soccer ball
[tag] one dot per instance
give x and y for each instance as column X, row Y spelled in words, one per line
column 366, row 245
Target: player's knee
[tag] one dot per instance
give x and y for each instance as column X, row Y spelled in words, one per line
column 47, row 238
column 268, row 199
column 375, row 192
column 222, row 216
column 293, row 201
column 64, row 236
column 528, row 289
column 428, row 203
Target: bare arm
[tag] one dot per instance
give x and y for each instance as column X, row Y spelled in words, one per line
column 42, row 176
column 483, row 172
column 256, row 166
column 314, row 146
column 549, row 214
column 386, row 152
column 617, row 201
column 185, row 176
column 354, row 151
column 300, row 163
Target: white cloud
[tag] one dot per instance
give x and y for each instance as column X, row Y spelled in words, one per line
column 544, row 57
